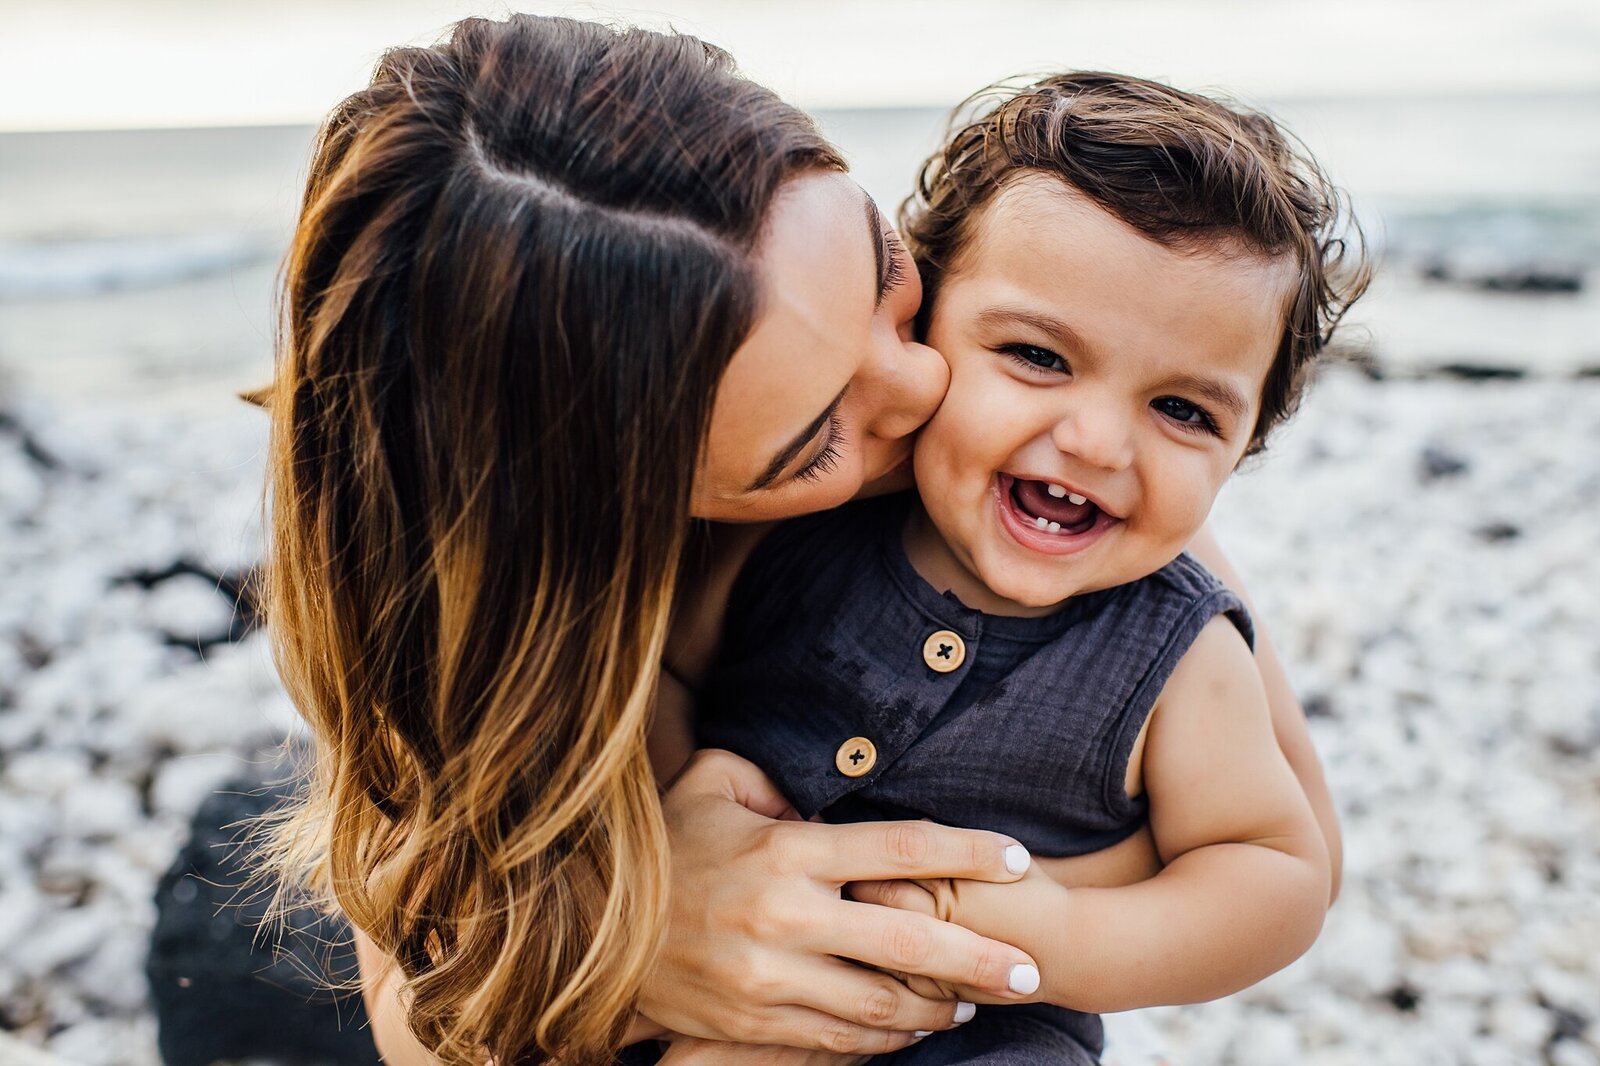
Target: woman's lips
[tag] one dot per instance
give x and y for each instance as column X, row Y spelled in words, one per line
column 1025, row 531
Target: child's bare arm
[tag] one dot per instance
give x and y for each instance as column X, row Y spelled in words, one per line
column 1288, row 717
column 1245, row 885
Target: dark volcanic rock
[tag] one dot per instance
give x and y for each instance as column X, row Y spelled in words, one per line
column 1498, row 532
column 1436, row 463
column 237, row 587
column 1481, row 372
column 223, row 988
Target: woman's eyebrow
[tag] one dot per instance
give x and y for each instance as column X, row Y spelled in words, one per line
column 787, row 453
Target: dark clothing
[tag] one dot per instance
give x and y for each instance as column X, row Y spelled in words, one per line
column 1029, row 736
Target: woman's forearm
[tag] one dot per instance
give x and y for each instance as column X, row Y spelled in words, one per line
column 1288, row 717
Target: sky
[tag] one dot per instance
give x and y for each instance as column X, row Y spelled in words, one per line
column 97, row 64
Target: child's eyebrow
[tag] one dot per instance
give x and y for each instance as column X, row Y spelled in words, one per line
column 1005, row 315
column 1220, row 393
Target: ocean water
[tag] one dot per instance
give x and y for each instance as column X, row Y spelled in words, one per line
column 151, row 253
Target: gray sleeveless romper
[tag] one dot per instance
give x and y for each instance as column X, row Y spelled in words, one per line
column 1029, row 736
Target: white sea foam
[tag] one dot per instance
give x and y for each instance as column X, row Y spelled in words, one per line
column 44, row 269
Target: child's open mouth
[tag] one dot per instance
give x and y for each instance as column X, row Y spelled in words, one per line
column 1048, row 518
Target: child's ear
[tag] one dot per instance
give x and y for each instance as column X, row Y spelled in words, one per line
column 258, row 396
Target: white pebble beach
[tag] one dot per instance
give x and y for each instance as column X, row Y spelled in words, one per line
column 1422, row 547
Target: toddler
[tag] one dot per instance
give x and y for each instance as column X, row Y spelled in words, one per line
column 1129, row 283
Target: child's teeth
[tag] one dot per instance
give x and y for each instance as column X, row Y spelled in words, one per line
column 1055, row 490
column 1041, row 523
column 1054, row 527
column 1076, row 500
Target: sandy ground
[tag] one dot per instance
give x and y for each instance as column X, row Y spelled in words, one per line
column 1423, row 550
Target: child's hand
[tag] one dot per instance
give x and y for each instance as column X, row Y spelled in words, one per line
column 941, row 898
column 934, row 897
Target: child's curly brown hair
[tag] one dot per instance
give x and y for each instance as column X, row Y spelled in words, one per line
column 1183, row 169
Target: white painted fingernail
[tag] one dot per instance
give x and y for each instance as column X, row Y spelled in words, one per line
column 1017, row 859
column 920, row 1033
column 965, row 1011
column 1024, row 979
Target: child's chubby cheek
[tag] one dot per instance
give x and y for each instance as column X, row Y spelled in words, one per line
column 969, row 439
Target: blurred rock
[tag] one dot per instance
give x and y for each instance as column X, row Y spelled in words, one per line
column 1437, row 463
column 221, row 995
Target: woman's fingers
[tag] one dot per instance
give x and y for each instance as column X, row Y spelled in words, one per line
column 878, row 1001
column 712, row 770
column 915, row 943
column 694, row 1052
column 881, row 851
column 810, row 1028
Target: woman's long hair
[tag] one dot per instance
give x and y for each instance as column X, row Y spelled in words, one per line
column 523, row 261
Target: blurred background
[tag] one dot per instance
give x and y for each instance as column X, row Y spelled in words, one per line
column 1421, row 540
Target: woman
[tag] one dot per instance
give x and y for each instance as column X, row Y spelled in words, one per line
column 556, row 290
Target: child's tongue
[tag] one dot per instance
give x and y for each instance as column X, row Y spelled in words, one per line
column 1034, row 499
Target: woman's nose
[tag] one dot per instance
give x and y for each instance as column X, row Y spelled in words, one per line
column 1096, row 434
column 911, row 380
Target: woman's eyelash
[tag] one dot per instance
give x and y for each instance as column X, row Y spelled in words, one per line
column 894, row 266
column 828, row 458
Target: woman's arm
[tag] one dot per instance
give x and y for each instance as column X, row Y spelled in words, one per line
column 1288, row 719
column 386, row 1010
column 380, row 990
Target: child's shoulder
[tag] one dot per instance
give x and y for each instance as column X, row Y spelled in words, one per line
column 1186, row 585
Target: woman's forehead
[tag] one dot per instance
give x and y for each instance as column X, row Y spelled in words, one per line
column 818, row 269
column 819, row 291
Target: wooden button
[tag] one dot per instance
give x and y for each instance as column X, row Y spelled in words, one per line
column 944, row 651
column 856, row 756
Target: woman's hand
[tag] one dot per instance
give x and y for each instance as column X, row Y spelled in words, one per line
column 691, row 1051
column 758, row 931
column 1125, row 863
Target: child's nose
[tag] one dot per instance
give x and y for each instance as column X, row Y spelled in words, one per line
column 1097, row 434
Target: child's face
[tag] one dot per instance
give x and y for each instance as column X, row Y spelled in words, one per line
column 1091, row 364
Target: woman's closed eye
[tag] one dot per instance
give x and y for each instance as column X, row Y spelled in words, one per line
column 1188, row 416
column 895, row 265
column 1036, row 359
column 827, row 456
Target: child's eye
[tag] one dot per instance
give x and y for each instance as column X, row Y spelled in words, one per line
column 1036, row 358
column 1186, row 414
